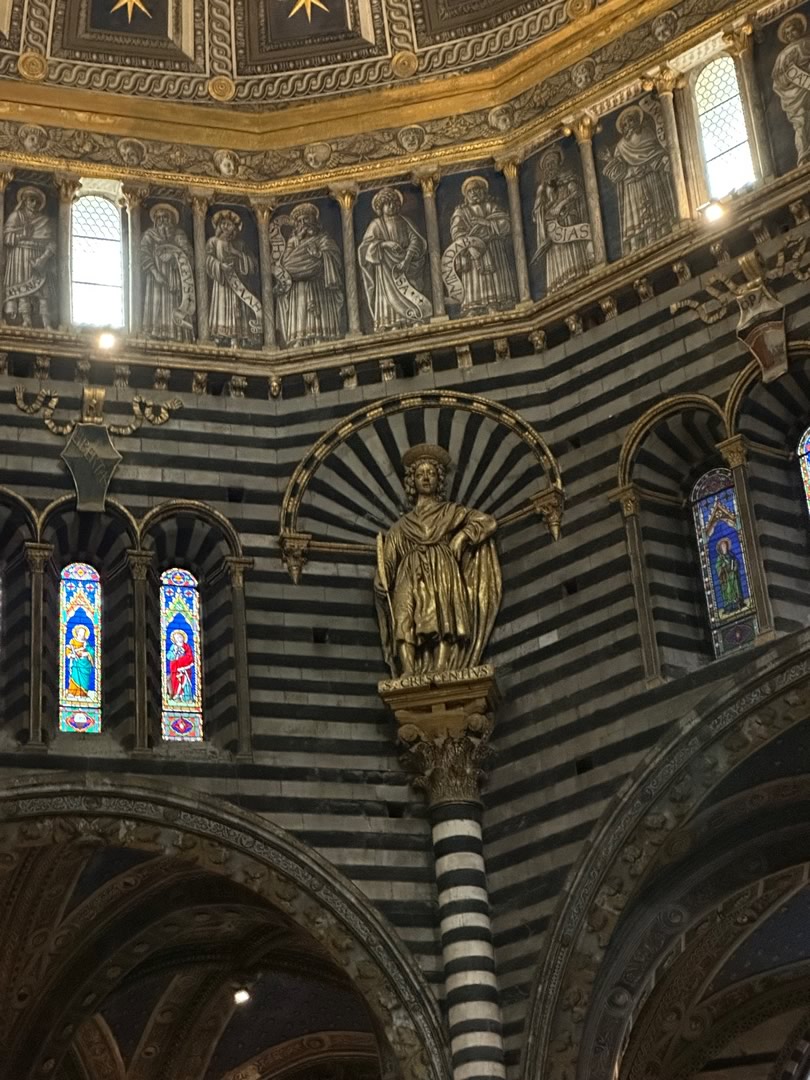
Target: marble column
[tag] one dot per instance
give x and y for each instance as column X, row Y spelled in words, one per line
column 510, row 168
column 264, row 215
column 133, row 199
column 236, row 569
column 738, row 43
column 735, row 455
column 139, row 563
column 428, row 180
column 5, row 180
column 346, row 194
column 630, row 502
column 67, row 187
column 200, row 201
column 37, row 556
column 445, row 723
column 665, row 83
column 582, row 128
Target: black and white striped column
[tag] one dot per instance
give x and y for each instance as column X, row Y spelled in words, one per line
column 474, row 1013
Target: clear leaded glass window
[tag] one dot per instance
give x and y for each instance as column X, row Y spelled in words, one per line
column 723, row 131
column 732, row 615
column 97, row 263
column 80, row 649
column 181, row 634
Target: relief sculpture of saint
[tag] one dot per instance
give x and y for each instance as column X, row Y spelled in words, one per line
column 791, row 80
column 639, row 166
column 438, row 582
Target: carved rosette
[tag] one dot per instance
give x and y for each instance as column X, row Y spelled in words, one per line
column 445, row 720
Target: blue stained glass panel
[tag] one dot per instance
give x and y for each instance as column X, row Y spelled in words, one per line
column 732, row 614
column 80, row 649
column 181, row 674
column 804, row 463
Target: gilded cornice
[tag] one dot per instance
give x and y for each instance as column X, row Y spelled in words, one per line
column 452, row 119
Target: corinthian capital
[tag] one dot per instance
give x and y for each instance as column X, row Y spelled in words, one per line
column 581, row 127
column 666, row 81
column 345, row 194
column 448, row 768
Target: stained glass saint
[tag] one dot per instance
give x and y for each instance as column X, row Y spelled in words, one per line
column 804, row 463
column 80, row 649
column 732, row 615
column 180, row 645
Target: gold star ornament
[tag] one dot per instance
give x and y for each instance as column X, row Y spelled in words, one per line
column 307, row 6
column 131, row 5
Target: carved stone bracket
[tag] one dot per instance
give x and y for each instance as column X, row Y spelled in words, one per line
column 294, row 552
column 761, row 325
column 444, row 722
column 549, row 505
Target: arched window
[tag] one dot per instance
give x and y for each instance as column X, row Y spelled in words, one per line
column 732, row 617
column 97, row 263
column 80, row 649
column 723, row 131
column 180, row 636
column 804, row 463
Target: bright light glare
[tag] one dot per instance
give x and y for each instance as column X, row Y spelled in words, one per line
column 241, row 996
column 106, row 340
column 713, row 211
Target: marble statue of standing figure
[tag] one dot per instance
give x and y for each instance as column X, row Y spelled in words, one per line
column 392, row 261
column 30, row 240
column 640, row 168
column 169, row 299
column 234, row 313
column 791, row 80
column 560, row 215
column 478, row 267
column 309, row 281
column 438, row 582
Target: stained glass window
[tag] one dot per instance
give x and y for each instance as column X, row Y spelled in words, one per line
column 97, row 263
column 723, row 131
column 80, row 649
column 180, row 648
column 804, row 462
column 732, row 616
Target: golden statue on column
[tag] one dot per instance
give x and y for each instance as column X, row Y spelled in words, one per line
column 438, row 581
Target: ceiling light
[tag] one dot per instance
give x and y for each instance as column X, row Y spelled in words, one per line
column 241, row 996
column 106, row 341
column 713, row 211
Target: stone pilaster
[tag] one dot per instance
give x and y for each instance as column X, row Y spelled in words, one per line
column 346, row 195
column 738, row 43
column 236, row 569
column 133, row 200
column 264, row 215
column 444, row 723
column 139, row 563
column 665, row 83
column 67, row 187
column 735, row 455
column 5, row 179
column 510, row 167
column 428, row 180
column 37, row 556
column 582, row 128
column 200, row 202
column 630, row 502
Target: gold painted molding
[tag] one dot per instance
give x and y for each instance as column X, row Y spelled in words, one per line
column 410, row 103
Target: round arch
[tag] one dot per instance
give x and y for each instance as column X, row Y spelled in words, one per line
column 654, row 416
column 259, row 856
column 649, row 807
column 195, row 509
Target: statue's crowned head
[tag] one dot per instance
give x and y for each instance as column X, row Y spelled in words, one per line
column 433, row 462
